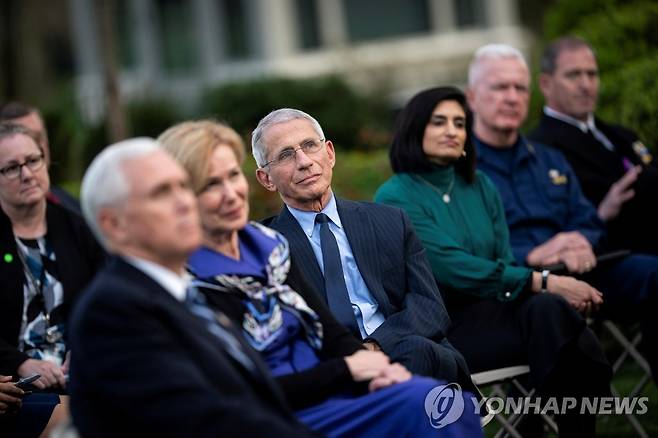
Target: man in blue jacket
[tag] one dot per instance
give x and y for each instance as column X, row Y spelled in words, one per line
column 549, row 218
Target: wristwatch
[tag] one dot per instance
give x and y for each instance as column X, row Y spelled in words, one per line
column 544, row 281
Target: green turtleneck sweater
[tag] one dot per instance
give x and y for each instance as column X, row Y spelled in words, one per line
column 467, row 239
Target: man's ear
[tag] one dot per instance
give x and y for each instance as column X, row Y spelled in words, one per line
column 265, row 180
column 331, row 152
column 545, row 84
column 111, row 226
column 470, row 96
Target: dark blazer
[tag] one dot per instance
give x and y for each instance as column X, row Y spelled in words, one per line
column 144, row 365
column 60, row 196
column 597, row 168
column 393, row 264
column 79, row 257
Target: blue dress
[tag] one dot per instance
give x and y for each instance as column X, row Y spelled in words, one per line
column 32, row 418
column 395, row 411
column 289, row 335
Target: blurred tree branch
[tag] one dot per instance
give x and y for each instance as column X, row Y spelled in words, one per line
column 116, row 116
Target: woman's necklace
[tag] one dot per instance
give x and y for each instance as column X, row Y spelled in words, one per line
column 445, row 196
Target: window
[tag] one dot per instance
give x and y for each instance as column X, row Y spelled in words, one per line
column 470, row 13
column 237, row 41
column 307, row 23
column 177, row 35
column 123, row 28
column 374, row 19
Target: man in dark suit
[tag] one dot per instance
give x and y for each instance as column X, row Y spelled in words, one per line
column 390, row 298
column 149, row 358
column 616, row 171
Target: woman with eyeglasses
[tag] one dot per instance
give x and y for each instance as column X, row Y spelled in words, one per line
column 48, row 256
column 335, row 385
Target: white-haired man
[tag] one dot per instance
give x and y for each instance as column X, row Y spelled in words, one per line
column 150, row 359
column 363, row 259
column 549, row 218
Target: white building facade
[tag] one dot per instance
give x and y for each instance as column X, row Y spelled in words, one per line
column 178, row 48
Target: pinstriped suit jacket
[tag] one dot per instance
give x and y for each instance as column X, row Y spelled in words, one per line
column 392, row 262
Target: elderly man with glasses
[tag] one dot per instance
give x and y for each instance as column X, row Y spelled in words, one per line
column 363, row 259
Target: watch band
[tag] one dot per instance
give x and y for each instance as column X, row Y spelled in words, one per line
column 544, row 281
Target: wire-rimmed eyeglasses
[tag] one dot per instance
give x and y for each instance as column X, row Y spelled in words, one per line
column 287, row 155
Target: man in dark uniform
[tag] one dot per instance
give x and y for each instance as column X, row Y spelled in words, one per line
column 616, row 171
column 549, row 218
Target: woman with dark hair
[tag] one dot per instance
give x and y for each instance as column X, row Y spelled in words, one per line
column 502, row 314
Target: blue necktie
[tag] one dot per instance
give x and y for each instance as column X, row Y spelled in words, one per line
column 196, row 303
column 334, row 281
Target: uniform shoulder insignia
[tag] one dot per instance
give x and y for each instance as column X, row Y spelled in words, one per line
column 642, row 152
column 557, row 178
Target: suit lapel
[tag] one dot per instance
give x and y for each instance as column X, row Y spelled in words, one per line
column 193, row 322
column 622, row 145
column 304, row 261
column 363, row 240
column 581, row 145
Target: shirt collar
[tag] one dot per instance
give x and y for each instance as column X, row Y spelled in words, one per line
column 493, row 156
column 583, row 126
column 306, row 219
column 169, row 280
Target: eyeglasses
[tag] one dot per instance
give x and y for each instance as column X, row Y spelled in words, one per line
column 287, row 155
column 33, row 163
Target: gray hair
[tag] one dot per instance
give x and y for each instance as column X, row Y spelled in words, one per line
column 282, row 115
column 104, row 183
column 491, row 51
column 548, row 61
column 9, row 129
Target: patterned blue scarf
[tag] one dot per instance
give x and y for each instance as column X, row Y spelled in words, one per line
column 258, row 278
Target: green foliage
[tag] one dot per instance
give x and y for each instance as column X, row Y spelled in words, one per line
column 621, row 35
column 349, row 119
column 149, row 117
column 637, row 95
column 565, row 15
column 66, row 134
column 358, row 174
